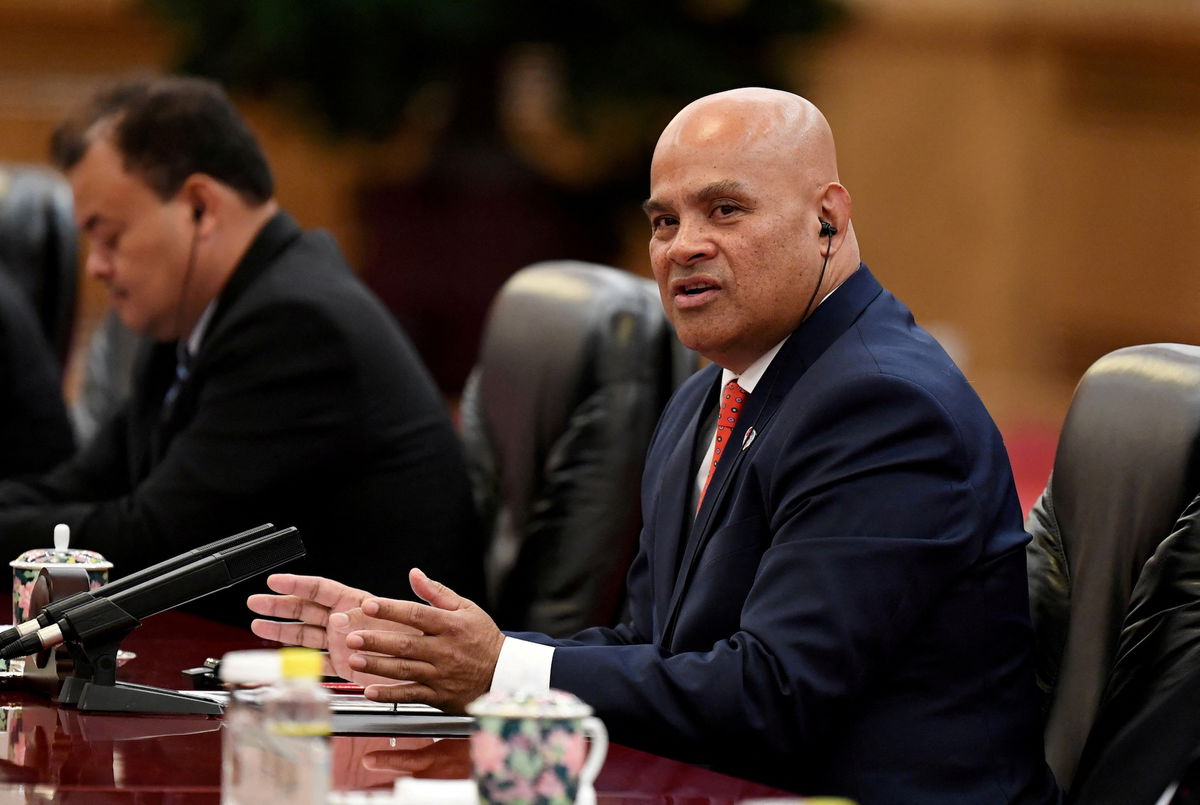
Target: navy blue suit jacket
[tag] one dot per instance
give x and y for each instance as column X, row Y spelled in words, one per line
column 848, row 613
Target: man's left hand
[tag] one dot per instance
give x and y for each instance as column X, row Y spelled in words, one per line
column 449, row 663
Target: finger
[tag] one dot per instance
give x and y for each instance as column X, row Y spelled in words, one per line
column 340, row 621
column 401, row 693
column 284, row 583
column 355, row 619
column 326, row 592
column 367, row 680
column 394, row 668
column 410, row 614
column 293, row 634
column 396, row 644
column 434, row 592
column 273, row 605
column 289, row 607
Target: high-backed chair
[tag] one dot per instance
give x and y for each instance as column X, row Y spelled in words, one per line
column 38, row 246
column 1125, row 469
column 1146, row 732
column 576, row 363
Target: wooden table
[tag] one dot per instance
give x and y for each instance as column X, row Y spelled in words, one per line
column 57, row 754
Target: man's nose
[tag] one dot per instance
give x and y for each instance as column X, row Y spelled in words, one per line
column 692, row 243
column 97, row 266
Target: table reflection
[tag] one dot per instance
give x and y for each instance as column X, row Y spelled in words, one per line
column 52, row 754
column 62, row 747
column 445, row 759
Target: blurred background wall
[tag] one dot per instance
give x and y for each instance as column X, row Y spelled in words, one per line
column 1026, row 173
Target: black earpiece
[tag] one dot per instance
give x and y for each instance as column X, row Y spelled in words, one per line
column 197, row 213
column 828, row 230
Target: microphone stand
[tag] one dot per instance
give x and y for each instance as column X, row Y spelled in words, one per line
column 94, row 687
column 93, row 630
column 93, row 684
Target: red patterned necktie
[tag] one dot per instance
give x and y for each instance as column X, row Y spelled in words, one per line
column 732, row 398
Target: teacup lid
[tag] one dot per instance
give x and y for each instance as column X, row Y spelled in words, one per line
column 524, row 703
column 38, row 557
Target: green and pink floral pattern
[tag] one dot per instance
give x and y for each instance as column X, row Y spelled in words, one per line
column 531, row 748
column 28, row 565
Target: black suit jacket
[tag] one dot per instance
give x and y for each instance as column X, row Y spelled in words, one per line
column 34, row 431
column 848, row 613
column 305, row 405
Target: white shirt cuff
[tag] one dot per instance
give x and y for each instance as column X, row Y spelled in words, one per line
column 522, row 666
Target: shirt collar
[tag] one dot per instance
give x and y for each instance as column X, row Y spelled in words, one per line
column 754, row 372
column 192, row 345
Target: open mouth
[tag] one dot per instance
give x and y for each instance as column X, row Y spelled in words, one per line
column 694, row 287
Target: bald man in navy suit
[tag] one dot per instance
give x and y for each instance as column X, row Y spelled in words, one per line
column 830, row 590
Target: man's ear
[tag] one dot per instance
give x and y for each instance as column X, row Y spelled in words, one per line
column 835, row 208
column 199, row 196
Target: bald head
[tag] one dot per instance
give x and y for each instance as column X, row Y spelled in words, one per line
column 770, row 124
column 741, row 187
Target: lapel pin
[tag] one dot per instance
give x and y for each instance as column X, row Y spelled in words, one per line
column 748, row 438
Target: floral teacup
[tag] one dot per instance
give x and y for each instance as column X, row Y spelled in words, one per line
column 531, row 747
column 27, row 566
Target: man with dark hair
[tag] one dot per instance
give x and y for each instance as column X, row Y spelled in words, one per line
column 829, row 594
column 158, row 135
column 279, row 388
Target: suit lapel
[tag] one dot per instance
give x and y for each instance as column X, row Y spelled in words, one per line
column 756, row 414
column 159, row 427
column 827, row 323
column 153, row 371
column 672, row 517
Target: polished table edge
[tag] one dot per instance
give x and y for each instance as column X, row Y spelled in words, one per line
column 74, row 756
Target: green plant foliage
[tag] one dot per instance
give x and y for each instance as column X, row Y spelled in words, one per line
column 355, row 65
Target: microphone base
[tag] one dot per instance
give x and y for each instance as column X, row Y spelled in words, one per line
column 70, row 690
column 126, row 697
column 94, row 687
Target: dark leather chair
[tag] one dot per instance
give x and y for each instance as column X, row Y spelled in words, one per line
column 1147, row 734
column 576, row 363
column 39, row 248
column 1127, row 465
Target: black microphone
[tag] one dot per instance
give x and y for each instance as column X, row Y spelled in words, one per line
column 123, row 610
column 54, row 610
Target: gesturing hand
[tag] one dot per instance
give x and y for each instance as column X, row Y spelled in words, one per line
column 449, row 660
column 323, row 612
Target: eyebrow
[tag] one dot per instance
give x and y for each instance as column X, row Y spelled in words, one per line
column 725, row 187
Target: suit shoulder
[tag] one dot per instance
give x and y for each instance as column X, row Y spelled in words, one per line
column 886, row 342
column 312, row 282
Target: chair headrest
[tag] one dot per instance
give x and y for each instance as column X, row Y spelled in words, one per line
column 38, row 245
column 1125, row 468
column 557, row 330
column 1127, row 457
